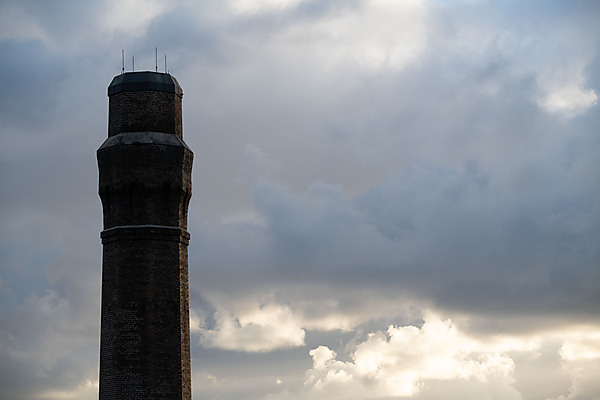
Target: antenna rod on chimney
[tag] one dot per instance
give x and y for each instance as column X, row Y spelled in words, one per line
column 122, row 61
column 166, row 70
column 156, row 59
column 132, row 64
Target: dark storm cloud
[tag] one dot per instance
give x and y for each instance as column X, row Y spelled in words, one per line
column 481, row 199
column 440, row 233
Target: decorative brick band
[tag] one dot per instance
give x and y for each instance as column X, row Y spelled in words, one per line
column 145, row 232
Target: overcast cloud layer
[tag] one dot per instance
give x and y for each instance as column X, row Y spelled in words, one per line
column 392, row 199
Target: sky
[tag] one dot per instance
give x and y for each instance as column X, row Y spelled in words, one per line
column 391, row 199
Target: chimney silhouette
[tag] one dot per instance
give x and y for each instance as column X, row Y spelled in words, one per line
column 145, row 187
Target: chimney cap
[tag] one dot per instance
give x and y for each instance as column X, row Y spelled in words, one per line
column 144, row 80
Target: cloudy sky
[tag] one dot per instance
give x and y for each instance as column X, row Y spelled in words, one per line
column 392, row 199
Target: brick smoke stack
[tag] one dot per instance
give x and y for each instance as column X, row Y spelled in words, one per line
column 145, row 187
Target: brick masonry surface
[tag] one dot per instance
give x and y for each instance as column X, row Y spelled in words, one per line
column 146, row 110
column 145, row 187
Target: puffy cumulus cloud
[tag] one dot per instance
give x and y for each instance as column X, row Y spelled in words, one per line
column 401, row 360
column 440, row 359
column 314, row 307
column 265, row 327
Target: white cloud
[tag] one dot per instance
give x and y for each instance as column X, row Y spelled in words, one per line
column 563, row 85
column 379, row 35
column 400, row 361
column 131, row 17
column 258, row 328
column 581, row 346
column 385, row 34
column 569, row 99
column 322, row 357
column 438, row 359
column 249, row 6
column 195, row 322
column 85, row 390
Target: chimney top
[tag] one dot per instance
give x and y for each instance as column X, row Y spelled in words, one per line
column 144, row 80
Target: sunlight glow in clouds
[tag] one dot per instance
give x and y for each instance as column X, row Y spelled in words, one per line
column 417, row 362
column 581, row 346
column 387, row 34
column 263, row 328
column 86, row 389
column 565, row 88
column 249, row 6
column 570, row 99
column 397, row 362
column 383, row 35
column 132, row 16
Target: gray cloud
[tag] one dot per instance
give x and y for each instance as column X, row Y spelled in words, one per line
column 337, row 176
column 31, row 75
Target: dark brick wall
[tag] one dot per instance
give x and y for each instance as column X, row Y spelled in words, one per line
column 145, row 184
column 145, row 317
column 145, row 188
column 145, row 110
